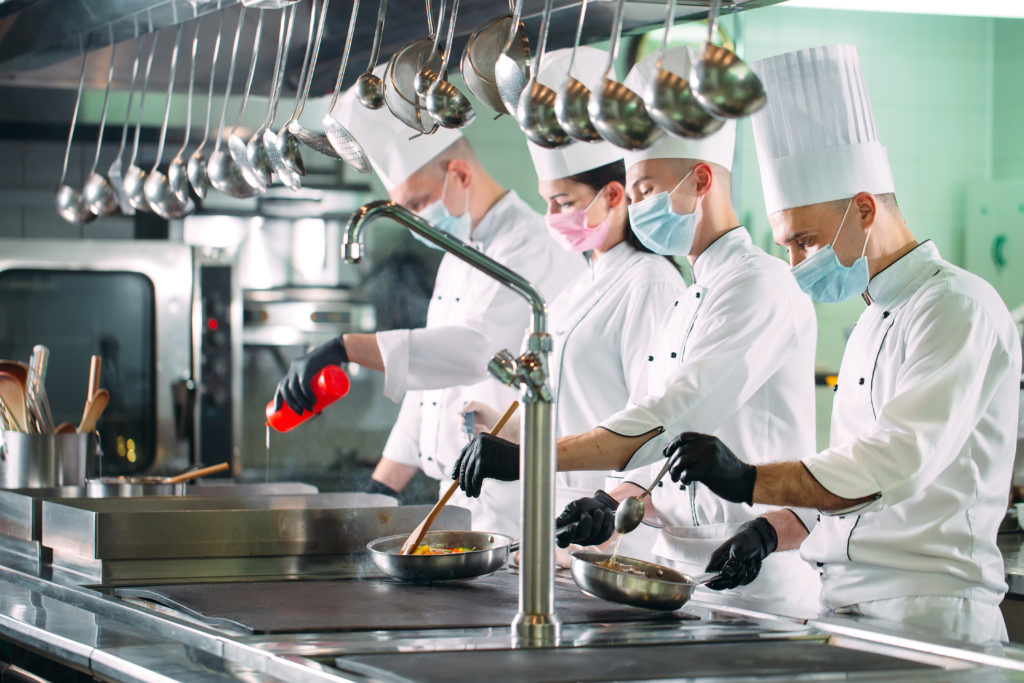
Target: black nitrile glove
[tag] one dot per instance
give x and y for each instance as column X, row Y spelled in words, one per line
column 587, row 521
column 704, row 458
column 296, row 387
column 486, row 457
column 739, row 559
column 374, row 486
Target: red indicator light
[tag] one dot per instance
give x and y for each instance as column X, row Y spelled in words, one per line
column 211, row 324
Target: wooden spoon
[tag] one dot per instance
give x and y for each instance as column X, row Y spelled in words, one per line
column 94, row 407
column 12, row 393
column 201, row 472
column 65, row 428
column 420, row 531
column 18, row 370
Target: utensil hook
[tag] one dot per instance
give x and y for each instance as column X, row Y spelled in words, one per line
column 78, row 104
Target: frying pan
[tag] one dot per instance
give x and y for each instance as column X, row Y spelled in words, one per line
column 491, row 552
column 112, row 487
column 658, row 588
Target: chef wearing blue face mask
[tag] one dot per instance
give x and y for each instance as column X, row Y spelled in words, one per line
column 913, row 486
column 734, row 354
column 435, row 369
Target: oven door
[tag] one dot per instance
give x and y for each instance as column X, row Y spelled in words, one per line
column 130, row 302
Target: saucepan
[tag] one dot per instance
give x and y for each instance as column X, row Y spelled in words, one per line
column 112, row 487
column 634, row 582
column 489, row 552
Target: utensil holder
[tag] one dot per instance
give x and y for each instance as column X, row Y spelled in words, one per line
column 47, row 460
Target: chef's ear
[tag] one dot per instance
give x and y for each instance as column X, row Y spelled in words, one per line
column 704, row 176
column 462, row 172
column 864, row 209
column 614, row 193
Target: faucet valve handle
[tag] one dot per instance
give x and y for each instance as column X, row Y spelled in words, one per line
column 503, row 367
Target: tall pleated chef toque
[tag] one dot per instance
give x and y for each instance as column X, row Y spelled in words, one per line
column 716, row 148
column 588, row 69
column 816, row 138
column 386, row 140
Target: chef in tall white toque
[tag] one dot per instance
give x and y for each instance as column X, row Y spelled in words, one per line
column 434, row 370
column 914, row 483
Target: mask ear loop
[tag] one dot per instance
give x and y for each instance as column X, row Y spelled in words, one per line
column 836, row 238
column 682, row 180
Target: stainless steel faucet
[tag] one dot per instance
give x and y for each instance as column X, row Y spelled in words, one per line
column 536, row 623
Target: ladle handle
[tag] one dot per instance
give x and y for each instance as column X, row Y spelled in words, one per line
column 436, row 33
column 314, row 57
column 74, row 117
column 170, row 92
column 448, row 41
column 213, row 71
column 713, row 17
column 613, row 49
column 304, row 74
column 106, row 102
column 668, row 27
column 517, row 13
column 231, row 77
column 252, row 70
column 191, row 85
column 287, row 18
column 131, row 90
column 545, row 23
column 142, row 98
column 344, row 57
column 664, row 469
column 579, row 34
column 382, row 10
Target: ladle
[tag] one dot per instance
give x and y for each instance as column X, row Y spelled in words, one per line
column 114, row 172
column 671, row 101
column 69, row 202
column 512, row 69
column 157, row 188
column 177, row 172
column 630, row 512
column 369, row 87
column 236, row 145
column 135, row 177
column 222, row 170
column 445, row 103
column 426, row 76
column 97, row 192
column 722, row 82
column 256, row 149
column 197, row 176
column 572, row 99
column 536, row 109
column 346, row 146
column 617, row 112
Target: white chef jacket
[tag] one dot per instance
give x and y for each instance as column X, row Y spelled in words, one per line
column 925, row 418
column 441, row 366
column 601, row 327
column 734, row 359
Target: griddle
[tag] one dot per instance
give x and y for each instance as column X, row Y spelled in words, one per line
column 774, row 660
column 375, row 604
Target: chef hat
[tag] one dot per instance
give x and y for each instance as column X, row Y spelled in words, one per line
column 816, row 138
column 588, row 69
column 716, row 148
column 385, row 139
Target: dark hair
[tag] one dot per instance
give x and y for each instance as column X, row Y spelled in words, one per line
column 597, row 178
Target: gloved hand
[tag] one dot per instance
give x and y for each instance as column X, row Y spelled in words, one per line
column 587, row 521
column 486, row 457
column 374, row 486
column 296, row 388
column 739, row 559
column 704, row 458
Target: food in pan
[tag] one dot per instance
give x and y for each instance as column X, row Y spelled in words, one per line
column 427, row 549
column 610, row 563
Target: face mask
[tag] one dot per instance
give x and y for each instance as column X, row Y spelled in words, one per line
column 661, row 229
column 437, row 214
column 569, row 229
column 827, row 280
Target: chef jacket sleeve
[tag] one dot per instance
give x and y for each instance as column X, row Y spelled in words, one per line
column 738, row 342
column 403, row 444
column 953, row 364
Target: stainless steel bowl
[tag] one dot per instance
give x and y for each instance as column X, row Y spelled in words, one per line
column 658, row 588
column 492, row 550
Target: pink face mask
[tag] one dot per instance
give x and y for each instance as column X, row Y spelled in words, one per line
column 569, row 229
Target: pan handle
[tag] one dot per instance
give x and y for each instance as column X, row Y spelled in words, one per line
column 513, row 546
column 707, row 577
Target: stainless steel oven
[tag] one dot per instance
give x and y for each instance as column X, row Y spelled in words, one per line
column 165, row 317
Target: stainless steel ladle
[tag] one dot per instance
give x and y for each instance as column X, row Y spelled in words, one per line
column 68, row 200
column 630, row 512
column 114, row 172
column 426, row 76
column 535, row 112
column 346, row 146
column 135, row 177
column 722, row 82
column 369, row 86
column 572, row 99
column 671, row 101
column 177, row 173
column 236, row 145
column 617, row 112
column 512, row 68
column 97, row 193
column 256, row 149
column 197, row 176
column 445, row 103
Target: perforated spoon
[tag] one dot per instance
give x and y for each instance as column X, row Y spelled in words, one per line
column 97, row 193
column 197, row 176
column 135, row 177
column 572, row 99
column 346, row 146
column 68, row 200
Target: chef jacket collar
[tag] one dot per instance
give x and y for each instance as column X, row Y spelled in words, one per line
column 611, row 259
column 895, row 283
column 720, row 252
column 503, row 212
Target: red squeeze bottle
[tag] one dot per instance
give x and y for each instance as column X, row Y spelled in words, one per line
column 329, row 385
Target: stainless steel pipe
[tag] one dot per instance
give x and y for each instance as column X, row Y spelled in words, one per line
column 536, row 623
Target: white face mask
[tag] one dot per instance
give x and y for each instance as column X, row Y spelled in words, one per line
column 437, row 214
column 661, row 229
column 828, row 281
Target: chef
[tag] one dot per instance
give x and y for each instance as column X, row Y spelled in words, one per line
column 603, row 322
column 434, row 370
column 735, row 354
column 913, row 486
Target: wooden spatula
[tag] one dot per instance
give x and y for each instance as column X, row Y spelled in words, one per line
column 94, row 407
column 420, row 531
column 12, row 393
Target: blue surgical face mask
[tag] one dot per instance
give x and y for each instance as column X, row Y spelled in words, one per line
column 661, row 229
column 827, row 280
column 437, row 214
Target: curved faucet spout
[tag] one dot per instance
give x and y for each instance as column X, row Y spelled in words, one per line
column 352, row 251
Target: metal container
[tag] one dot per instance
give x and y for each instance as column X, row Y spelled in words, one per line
column 110, row 487
column 47, row 460
column 489, row 554
column 658, row 587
